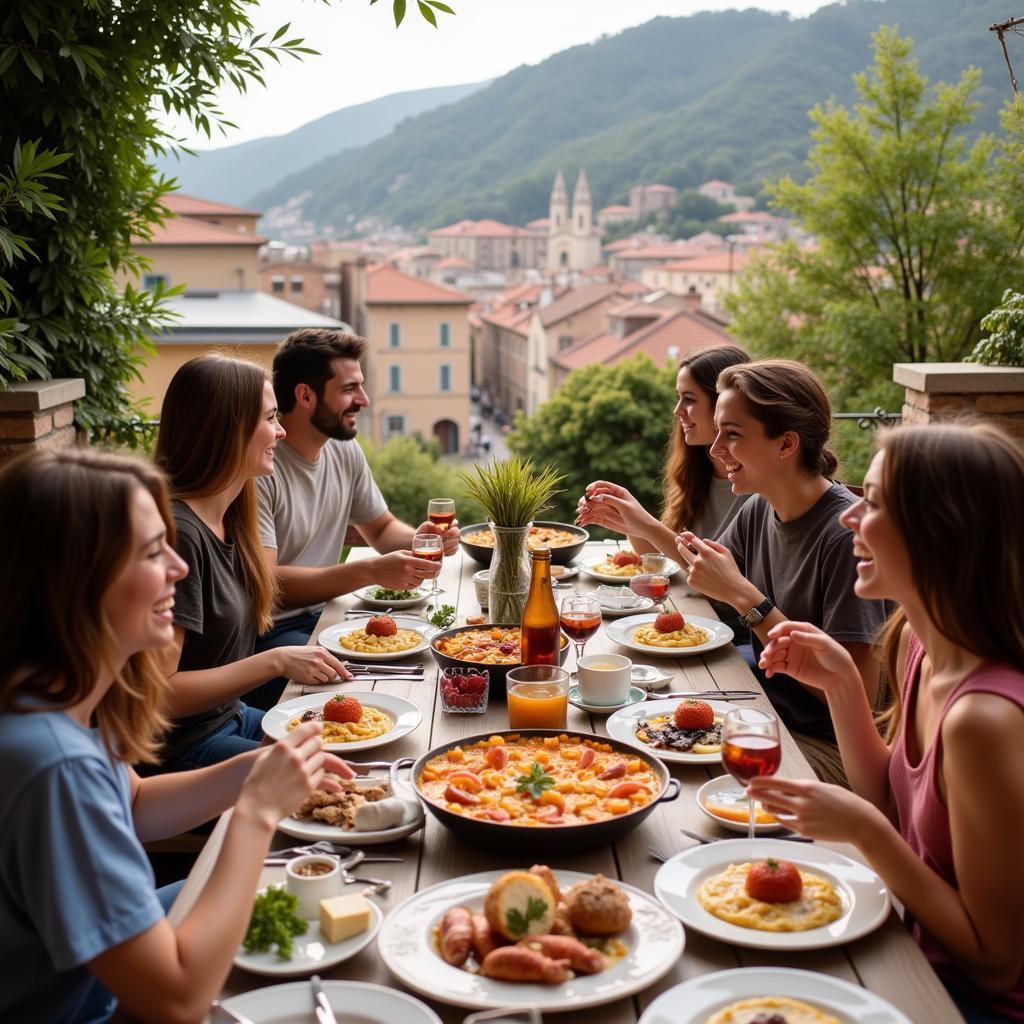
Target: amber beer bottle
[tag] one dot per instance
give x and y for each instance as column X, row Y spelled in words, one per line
column 539, row 629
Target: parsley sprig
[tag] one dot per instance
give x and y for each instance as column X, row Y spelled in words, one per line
column 535, row 782
column 443, row 617
column 274, row 922
column 518, row 923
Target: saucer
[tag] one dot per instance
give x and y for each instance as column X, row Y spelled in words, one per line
column 641, row 604
column 636, row 694
column 649, row 677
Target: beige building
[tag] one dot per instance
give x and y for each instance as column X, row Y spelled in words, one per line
column 491, row 245
column 631, row 262
column 659, row 199
column 710, row 276
column 574, row 240
column 417, row 356
column 725, row 193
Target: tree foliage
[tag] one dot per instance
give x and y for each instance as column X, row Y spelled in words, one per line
column 608, row 423
column 916, row 232
column 1004, row 345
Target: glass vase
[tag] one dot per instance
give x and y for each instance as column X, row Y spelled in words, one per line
column 509, row 582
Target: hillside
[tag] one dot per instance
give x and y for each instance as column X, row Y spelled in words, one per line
column 676, row 100
column 233, row 174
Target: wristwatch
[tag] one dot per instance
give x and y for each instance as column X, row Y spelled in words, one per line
column 758, row 613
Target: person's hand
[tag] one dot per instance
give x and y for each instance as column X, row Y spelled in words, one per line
column 815, row 809
column 336, row 766
column 710, row 567
column 613, row 507
column 449, row 537
column 286, row 772
column 804, row 652
column 310, row 665
column 402, row 570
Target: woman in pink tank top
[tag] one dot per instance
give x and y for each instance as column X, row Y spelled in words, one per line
column 937, row 807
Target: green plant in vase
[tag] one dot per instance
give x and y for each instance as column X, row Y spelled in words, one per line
column 512, row 493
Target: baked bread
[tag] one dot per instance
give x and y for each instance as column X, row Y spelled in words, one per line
column 520, row 904
column 598, row 907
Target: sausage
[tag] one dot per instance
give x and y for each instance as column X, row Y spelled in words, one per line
column 459, row 796
column 456, row 936
column 561, row 947
column 517, row 963
column 586, row 758
column 615, row 772
column 497, row 757
column 627, row 789
column 484, row 939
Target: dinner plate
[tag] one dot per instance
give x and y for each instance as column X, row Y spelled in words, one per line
column 407, row 946
column 568, row 574
column 671, row 568
column 366, row 596
column 610, row 611
column 317, row 831
column 403, row 713
column 621, row 632
column 622, row 726
column 310, row 952
column 636, row 695
column 331, row 637
column 693, row 1001
column 649, row 677
column 864, row 895
column 726, row 784
column 354, row 1001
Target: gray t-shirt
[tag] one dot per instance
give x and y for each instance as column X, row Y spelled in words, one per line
column 720, row 509
column 213, row 607
column 807, row 567
column 305, row 507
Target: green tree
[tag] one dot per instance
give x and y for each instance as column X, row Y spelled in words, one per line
column 1004, row 345
column 608, row 423
column 916, row 232
column 85, row 83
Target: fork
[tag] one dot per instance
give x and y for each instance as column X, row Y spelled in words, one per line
column 706, row 694
column 238, row 1018
column 654, row 852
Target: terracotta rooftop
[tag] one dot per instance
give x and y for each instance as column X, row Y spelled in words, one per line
column 672, row 250
column 481, row 229
column 455, row 261
column 715, row 183
column 541, row 223
column 751, row 217
column 576, row 300
column 190, row 231
column 659, row 188
column 616, row 209
column 192, row 206
column 711, row 263
column 387, row 285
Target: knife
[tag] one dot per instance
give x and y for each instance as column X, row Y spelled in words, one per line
column 321, row 1007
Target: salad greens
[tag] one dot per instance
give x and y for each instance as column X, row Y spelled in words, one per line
column 383, row 594
column 274, row 922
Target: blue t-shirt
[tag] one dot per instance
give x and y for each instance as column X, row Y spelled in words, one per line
column 74, row 879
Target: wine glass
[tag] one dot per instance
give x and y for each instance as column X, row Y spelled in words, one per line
column 430, row 546
column 750, row 747
column 441, row 512
column 652, row 585
column 580, row 619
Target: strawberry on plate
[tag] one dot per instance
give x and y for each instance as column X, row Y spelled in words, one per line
column 381, row 625
column 669, row 622
column 694, row 714
column 341, row 708
column 625, row 558
column 773, row 881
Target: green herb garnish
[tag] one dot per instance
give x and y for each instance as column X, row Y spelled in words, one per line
column 274, row 922
column 535, row 910
column 443, row 617
column 535, row 783
column 383, row 594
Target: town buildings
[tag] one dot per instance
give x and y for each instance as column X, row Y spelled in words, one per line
column 491, row 245
column 708, row 277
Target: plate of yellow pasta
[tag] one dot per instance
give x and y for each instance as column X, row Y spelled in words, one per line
column 350, row 719
column 377, row 637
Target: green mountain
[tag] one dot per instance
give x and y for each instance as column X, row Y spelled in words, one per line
column 234, row 173
column 677, row 100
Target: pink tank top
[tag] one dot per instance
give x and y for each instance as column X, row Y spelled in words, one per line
column 924, row 818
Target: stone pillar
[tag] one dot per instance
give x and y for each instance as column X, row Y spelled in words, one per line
column 937, row 391
column 38, row 414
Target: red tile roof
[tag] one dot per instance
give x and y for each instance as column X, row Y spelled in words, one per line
column 615, row 209
column 386, row 285
column 541, row 223
column 454, row 261
column 659, row 188
column 189, row 231
column 575, row 300
column 750, row 217
column 481, row 229
column 672, row 250
column 715, row 183
column 192, row 206
column 711, row 263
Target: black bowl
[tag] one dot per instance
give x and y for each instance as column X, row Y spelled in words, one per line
column 483, row 553
column 497, row 673
column 555, row 839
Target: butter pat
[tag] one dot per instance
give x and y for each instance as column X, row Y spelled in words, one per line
column 341, row 917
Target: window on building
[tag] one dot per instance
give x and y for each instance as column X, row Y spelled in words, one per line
column 277, row 284
column 297, row 283
column 444, row 335
column 394, row 378
column 151, row 281
column 394, row 335
column 394, row 426
column 444, row 377
column 564, row 342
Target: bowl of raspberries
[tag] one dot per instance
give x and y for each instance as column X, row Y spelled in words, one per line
column 464, row 690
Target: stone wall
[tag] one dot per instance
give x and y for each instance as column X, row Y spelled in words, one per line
column 38, row 414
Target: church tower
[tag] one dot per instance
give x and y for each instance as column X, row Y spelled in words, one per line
column 558, row 208
column 582, row 207
column 573, row 241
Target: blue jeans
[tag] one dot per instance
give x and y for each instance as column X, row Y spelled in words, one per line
column 293, row 632
column 238, row 735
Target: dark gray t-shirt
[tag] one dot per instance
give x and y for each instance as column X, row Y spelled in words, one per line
column 212, row 606
column 807, row 567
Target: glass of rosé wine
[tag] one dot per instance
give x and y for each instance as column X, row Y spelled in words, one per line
column 431, row 547
column 652, row 585
column 580, row 619
column 441, row 512
column 750, row 747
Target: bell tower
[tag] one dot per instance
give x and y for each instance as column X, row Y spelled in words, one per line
column 582, row 207
column 558, row 208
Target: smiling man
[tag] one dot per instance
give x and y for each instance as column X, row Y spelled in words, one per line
column 322, row 483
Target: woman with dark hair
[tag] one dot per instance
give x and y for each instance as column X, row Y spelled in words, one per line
column 697, row 494
column 937, row 807
column 211, row 458
column 87, row 588
column 785, row 555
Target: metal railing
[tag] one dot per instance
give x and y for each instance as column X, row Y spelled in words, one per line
column 878, row 417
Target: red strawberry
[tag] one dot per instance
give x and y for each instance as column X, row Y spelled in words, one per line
column 381, row 625
column 669, row 622
column 625, row 558
column 694, row 714
column 343, row 709
column 773, row 881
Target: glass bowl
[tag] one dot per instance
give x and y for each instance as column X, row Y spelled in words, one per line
column 464, row 691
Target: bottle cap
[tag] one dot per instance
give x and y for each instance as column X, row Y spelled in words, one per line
column 541, row 553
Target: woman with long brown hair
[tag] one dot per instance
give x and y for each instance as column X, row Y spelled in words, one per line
column 87, row 585
column 937, row 806
column 218, row 431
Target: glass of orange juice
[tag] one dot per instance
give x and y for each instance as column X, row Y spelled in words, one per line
column 538, row 697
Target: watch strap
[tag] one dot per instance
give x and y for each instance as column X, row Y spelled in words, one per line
column 758, row 613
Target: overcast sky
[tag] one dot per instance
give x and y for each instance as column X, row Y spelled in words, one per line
column 364, row 57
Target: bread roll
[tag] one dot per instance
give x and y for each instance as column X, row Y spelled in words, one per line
column 520, row 904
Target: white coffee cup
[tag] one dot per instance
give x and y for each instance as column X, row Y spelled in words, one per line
column 312, row 888
column 604, row 678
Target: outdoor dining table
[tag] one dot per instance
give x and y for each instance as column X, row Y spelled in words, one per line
column 886, row 961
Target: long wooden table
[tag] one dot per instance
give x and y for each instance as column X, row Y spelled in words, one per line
column 887, row 961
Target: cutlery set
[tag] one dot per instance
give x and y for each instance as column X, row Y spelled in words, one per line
column 705, row 695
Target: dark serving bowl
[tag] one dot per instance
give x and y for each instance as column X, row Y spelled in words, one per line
column 559, row 556
column 554, row 839
column 497, row 673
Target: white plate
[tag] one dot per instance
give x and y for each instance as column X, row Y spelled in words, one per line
column 725, row 784
column 695, row 1000
column 864, row 895
column 331, row 636
column 293, row 1004
column 366, row 596
column 622, row 726
column 611, row 612
column 636, row 695
column 406, row 945
column 403, row 713
column 649, row 677
column 671, row 568
column 622, row 630
column 570, row 572
column 316, row 831
column 311, row 952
